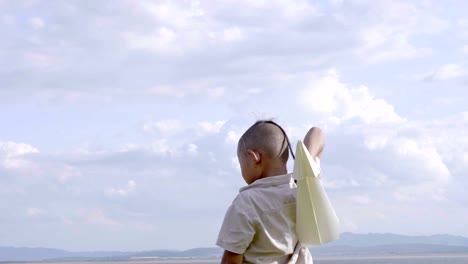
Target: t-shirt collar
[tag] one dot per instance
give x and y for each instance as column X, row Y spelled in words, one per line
column 269, row 182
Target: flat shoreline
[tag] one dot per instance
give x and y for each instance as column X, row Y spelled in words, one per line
column 396, row 256
column 217, row 260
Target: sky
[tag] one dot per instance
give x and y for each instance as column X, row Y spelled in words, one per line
column 120, row 119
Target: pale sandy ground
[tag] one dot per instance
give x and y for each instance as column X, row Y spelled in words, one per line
column 216, row 260
column 431, row 256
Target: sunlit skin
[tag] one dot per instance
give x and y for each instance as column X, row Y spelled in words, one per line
column 255, row 164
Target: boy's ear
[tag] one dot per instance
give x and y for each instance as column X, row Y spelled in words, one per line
column 255, row 155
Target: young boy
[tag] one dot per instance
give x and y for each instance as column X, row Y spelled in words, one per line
column 259, row 226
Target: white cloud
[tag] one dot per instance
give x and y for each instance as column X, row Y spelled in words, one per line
column 184, row 28
column 8, row 20
column 66, row 220
column 165, row 90
column 234, row 61
column 142, row 226
column 161, row 146
column 131, row 185
column 414, row 162
column 192, row 149
column 129, row 147
column 465, row 49
column 168, row 126
column 376, row 142
column 329, row 96
column 410, row 149
column 284, row 12
column 463, row 27
column 183, row 43
column 363, row 199
column 379, row 49
column 232, row 137
column 12, row 154
column 338, row 183
column 445, row 72
column 164, row 41
column 209, row 127
column 37, row 22
column 233, row 34
column 387, row 37
column 12, row 149
column 178, row 138
column 67, row 173
column 407, row 167
column 190, row 91
column 428, row 189
column 34, row 211
column 448, row 71
column 348, row 226
column 216, row 93
column 173, row 13
column 97, row 217
column 39, row 59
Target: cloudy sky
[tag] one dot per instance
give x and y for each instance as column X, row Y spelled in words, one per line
column 119, row 119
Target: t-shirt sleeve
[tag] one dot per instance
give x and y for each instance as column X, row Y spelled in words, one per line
column 238, row 229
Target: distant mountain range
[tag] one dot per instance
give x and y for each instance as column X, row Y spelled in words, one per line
column 349, row 244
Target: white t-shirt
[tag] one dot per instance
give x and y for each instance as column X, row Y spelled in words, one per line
column 261, row 223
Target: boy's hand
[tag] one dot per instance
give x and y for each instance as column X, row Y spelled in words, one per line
column 314, row 140
column 231, row 258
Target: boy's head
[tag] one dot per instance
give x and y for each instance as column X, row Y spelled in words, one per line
column 263, row 151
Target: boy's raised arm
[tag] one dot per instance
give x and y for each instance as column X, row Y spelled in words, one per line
column 314, row 140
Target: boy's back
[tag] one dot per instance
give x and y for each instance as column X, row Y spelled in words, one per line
column 261, row 222
column 260, row 225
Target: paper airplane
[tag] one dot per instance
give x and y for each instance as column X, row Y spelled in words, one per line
column 316, row 221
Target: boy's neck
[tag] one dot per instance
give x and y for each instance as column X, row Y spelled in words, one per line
column 274, row 170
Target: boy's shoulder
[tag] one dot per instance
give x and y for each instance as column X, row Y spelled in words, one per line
column 264, row 187
column 266, row 194
column 269, row 182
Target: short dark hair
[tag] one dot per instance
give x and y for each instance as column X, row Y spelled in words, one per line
column 269, row 137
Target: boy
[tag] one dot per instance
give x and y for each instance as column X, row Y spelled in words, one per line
column 259, row 226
